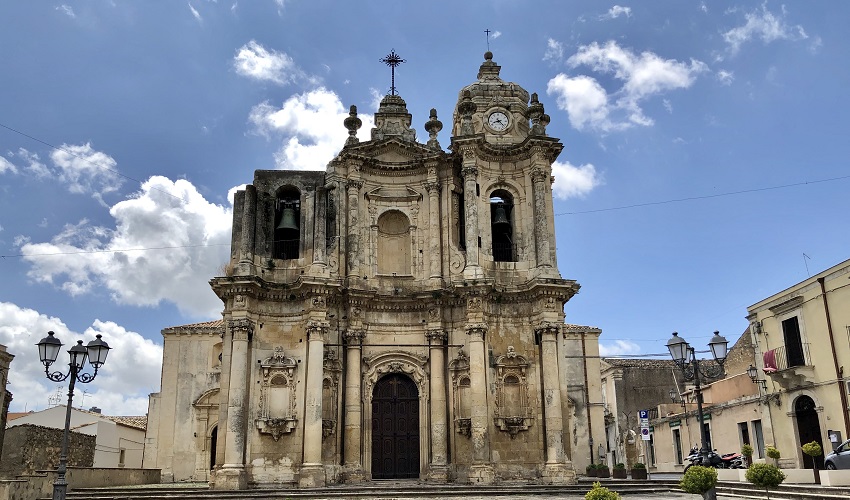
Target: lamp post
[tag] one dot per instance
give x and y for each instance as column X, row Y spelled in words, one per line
column 685, row 358
column 48, row 350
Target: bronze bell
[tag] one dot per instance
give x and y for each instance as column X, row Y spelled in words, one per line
column 501, row 217
column 288, row 219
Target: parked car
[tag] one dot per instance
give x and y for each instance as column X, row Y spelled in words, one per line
column 839, row 458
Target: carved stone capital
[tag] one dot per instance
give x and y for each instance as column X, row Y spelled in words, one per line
column 317, row 330
column 354, row 184
column 433, row 187
column 242, row 329
column 547, row 328
column 539, row 174
column 437, row 336
column 469, row 171
column 353, row 337
column 473, row 304
column 476, row 330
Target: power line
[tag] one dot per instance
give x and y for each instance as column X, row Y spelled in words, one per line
column 64, row 150
column 704, row 197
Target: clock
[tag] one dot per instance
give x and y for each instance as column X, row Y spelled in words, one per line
column 498, row 121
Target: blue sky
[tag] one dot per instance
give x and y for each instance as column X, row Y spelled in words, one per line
column 705, row 152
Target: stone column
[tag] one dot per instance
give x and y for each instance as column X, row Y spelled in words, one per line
column 470, row 198
column 232, row 475
column 352, row 452
column 556, row 470
column 539, row 176
column 481, row 471
column 312, row 470
column 438, row 469
column 249, row 216
column 434, row 228
column 320, row 229
column 353, row 250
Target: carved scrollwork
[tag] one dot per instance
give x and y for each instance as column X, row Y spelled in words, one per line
column 459, row 369
column 514, row 411
column 436, row 336
column 332, row 368
column 353, row 337
column 473, row 304
column 242, row 329
column 277, row 395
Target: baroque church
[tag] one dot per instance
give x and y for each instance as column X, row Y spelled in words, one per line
column 399, row 315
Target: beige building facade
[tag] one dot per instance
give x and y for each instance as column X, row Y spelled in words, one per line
column 391, row 317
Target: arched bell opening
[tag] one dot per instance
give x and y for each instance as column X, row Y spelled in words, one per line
column 501, row 226
column 287, row 232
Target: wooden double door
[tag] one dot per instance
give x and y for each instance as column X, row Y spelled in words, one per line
column 395, row 428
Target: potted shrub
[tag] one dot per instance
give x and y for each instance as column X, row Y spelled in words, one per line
column 813, row 450
column 620, row 471
column 598, row 492
column 700, row 480
column 638, row 471
column 773, row 454
column 590, row 470
column 765, row 476
column 602, row 470
column 747, row 451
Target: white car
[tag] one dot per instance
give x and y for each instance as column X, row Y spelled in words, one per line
column 839, row 458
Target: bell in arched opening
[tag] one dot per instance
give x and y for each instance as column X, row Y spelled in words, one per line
column 287, row 234
column 288, row 219
column 500, row 217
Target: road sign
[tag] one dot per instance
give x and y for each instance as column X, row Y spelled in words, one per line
column 643, row 415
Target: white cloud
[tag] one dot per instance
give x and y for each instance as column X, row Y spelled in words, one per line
column 86, row 171
column 667, row 105
column 725, row 77
column 643, row 75
column 195, row 13
column 255, row 61
column 67, row 10
column 554, row 51
column 34, row 164
column 305, row 123
column 618, row 348
column 574, row 181
column 131, row 372
column 163, row 215
column 764, row 25
column 7, row 166
column 496, row 34
column 617, row 11
column 815, row 46
column 703, row 7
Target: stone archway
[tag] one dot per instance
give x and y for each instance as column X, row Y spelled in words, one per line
column 808, row 427
column 395, row 428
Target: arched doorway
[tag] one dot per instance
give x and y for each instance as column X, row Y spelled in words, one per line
column 395, row 428
column 808, row 427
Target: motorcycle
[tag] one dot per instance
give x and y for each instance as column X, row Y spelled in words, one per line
column 727, row 461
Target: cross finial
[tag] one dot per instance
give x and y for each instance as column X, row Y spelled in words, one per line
column 392, row 60
column 487, row 31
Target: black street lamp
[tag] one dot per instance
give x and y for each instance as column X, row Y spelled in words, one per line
column 48, row 350
column 685, row 357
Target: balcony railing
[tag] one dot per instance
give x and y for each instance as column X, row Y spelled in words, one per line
column 792, row 356
column 789, row 365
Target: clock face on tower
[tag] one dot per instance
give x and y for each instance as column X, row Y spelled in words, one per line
column 498, row 121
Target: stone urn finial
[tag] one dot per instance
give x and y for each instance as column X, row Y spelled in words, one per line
column 352, row 123
column 433, row 127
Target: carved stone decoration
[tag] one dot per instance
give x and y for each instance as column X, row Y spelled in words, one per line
column 332, row 368
column 514, row 411
column 473, row 304
column 277, row 411
column 395, row 362
column 242, row 329
column 459, row 369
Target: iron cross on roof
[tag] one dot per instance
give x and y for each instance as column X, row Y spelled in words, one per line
column 392, row 60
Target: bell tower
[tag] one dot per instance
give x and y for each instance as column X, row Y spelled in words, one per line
column 506, row 164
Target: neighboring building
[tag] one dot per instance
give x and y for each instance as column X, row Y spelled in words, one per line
column 628, row 386
column 5, row 395
column 119, row 440
column 802, row 341
column 391, row 317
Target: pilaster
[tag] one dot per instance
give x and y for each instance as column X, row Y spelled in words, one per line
column 438, row 468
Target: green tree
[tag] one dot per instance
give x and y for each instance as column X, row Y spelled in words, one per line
column 600, row 493
column 701, row 481
column 765, row 476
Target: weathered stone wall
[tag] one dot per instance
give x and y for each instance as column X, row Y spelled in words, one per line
column 29, row 448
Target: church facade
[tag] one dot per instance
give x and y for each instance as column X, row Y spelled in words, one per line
column 399, row 315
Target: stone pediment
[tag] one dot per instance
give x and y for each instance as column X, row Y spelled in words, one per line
column 393, row 194
column 392, row 153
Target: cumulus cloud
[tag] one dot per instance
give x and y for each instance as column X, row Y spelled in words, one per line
column 86, row 171
column 7, row 167
column 644, row 75
column 617, row 11
column 554, row 51
column 764, row 25
column 254, row 61
column 618, row 348
column 34, row 164
column 496, row 34
column 131, row 372
column 187, row 239
column 573, row 181
column 302, row 122
column 725, row 77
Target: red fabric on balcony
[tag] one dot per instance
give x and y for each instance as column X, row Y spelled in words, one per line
column 770, row 361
